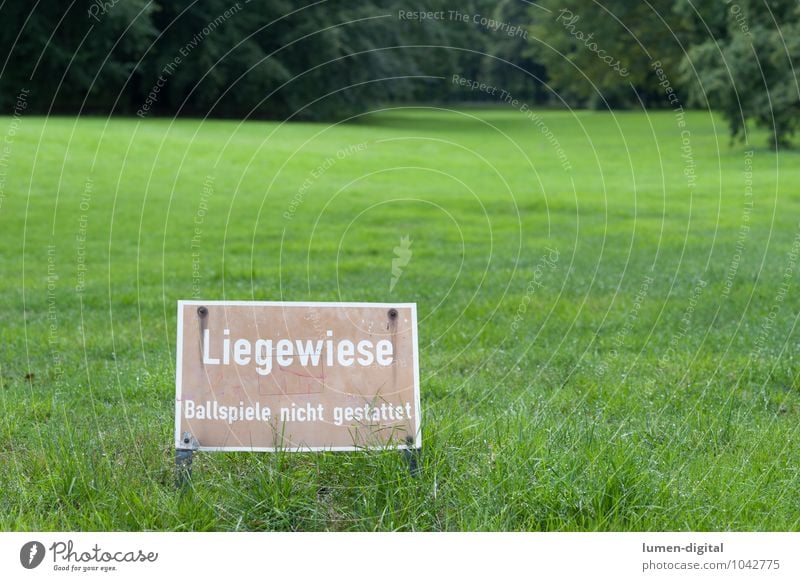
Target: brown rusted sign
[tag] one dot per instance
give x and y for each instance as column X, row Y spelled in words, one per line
column 263, row 376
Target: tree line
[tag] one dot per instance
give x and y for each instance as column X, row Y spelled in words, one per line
column 332, row 59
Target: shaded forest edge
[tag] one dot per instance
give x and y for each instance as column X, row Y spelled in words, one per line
column 329, row 60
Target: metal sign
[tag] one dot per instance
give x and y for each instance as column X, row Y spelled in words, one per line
column 264, row 376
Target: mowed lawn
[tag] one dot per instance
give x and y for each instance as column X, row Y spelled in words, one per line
column 608, row 317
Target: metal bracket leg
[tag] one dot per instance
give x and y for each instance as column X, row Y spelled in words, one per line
column 412, row 456
column 183, row 460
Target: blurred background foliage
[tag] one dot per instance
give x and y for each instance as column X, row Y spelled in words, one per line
column 329, row 60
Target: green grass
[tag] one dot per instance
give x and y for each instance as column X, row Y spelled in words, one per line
column 587, row 400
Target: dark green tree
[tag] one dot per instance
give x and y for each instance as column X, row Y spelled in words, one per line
column 73, row 60
column 512, row 46
column 748, row 73
column 599, row 54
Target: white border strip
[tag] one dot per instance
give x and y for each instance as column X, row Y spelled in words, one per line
column 396, row 556
column 294, row 304
column 179, row 376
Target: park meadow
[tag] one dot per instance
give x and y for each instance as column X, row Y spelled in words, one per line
column 607, row 323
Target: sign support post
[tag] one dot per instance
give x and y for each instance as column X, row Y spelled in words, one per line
column 183, row 460
column 412, row 456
